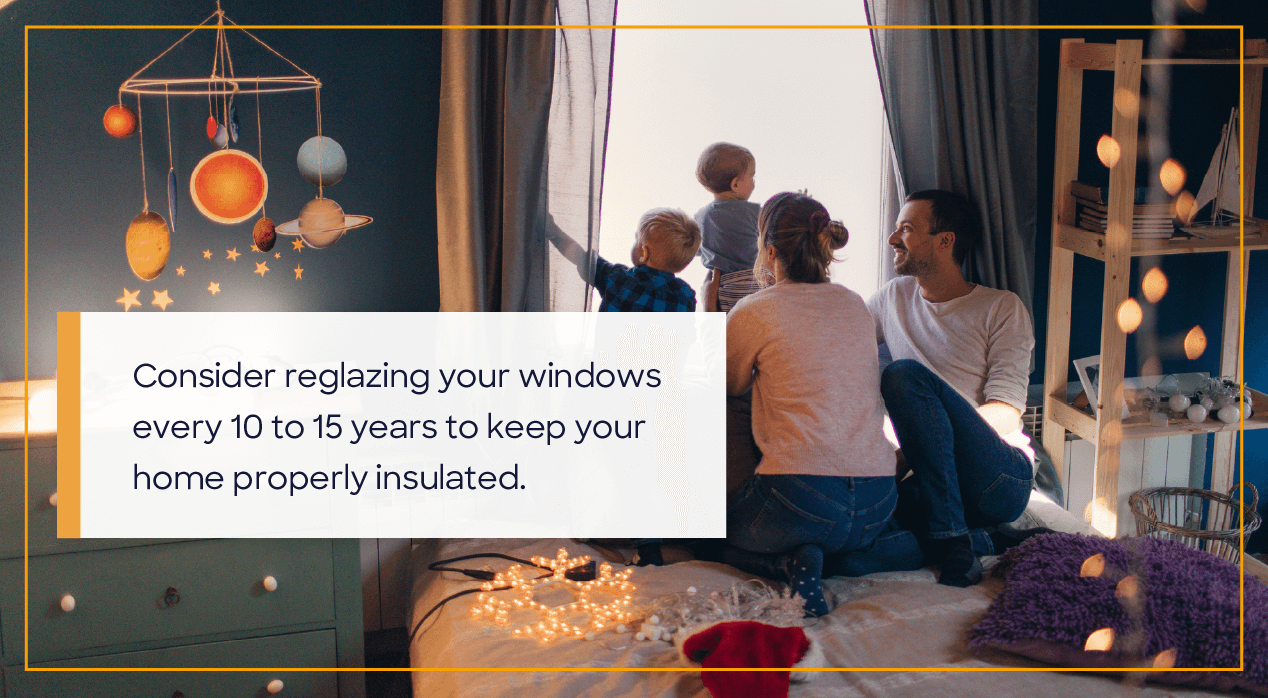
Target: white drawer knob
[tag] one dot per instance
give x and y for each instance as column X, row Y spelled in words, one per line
column 270, row 584
column 68, row 603
column 276, row 685
column 52, row 499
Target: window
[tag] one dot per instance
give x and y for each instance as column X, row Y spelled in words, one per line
column 806, row 102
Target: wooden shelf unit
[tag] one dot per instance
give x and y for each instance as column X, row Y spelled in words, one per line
column 1116, row 248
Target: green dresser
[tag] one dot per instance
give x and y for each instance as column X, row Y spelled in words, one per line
column 280, row 605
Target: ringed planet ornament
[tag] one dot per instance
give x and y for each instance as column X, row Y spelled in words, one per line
column 148, row 243
column 120, row 121
column 321, row 223
column 228, row 186
column 264, row 234
column 322, row 161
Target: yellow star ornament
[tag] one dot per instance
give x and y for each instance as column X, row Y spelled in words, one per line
column 129, row 299
column 298, row 245
column 277, row 255
column 206, row 254
column 261, row 268
column 299, row 272
column 161, row 299
column 213, row 288
column 180, row 271
column 254, row 248
column 232, row 255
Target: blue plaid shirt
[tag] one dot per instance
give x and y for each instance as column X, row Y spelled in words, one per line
column 641, row 289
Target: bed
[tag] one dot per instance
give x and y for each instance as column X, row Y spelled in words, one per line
column 898, row 619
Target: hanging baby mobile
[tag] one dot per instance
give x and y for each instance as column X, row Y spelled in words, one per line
column 229, row 185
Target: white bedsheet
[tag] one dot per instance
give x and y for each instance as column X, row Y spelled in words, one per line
column 900, row 619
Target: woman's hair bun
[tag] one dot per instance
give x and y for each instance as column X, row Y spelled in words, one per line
column 836, row 233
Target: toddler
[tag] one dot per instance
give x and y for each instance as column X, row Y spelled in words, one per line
column 728, row 224
column 666, row 241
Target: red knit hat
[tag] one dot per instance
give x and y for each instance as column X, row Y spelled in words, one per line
column 746, row 644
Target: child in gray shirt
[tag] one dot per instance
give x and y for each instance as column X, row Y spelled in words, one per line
column 728, row 224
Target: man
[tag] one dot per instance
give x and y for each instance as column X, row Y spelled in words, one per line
column 955, row 393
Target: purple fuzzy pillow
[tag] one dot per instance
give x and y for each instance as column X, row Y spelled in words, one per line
column 1182, row 603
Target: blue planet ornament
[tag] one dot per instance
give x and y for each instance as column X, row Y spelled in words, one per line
column 323, row 168
column 222, row 137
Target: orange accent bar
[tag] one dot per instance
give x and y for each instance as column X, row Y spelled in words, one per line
column 68, row 347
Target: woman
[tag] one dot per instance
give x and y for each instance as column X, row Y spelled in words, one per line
column 807, row 349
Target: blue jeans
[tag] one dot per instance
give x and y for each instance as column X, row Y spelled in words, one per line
column 778, row 513
column 964, row 476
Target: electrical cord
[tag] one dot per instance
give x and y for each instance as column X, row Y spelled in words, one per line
column 582, row 573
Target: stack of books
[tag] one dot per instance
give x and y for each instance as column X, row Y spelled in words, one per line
column 1149, row 220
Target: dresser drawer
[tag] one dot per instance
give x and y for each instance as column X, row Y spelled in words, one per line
column 310, row 649
column 42, row 484
column 120, row 596
column 10, row 612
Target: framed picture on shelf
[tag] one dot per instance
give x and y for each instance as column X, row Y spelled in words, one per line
column 1089, row 370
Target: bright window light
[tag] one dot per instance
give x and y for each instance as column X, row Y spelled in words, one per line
column 806, row 102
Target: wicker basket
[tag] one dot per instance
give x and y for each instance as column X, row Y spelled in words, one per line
column 1198, row 518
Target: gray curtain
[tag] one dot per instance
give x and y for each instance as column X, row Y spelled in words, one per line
column 523, row 122
column 960, row 108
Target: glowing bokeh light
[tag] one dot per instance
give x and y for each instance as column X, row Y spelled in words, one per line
column 1099, row 641
column 1129, row 315
column 1127, row 588
column 1154, row 285
column 1108, row 151
column 1166, row 659
column 1172, row 176
column 1093, row 566
column 1126, row 102
column 1198, row 6
column 1194, row 343
column 1184, row 206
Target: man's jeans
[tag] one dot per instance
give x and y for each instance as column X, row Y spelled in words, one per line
column 964, row 476
column 777, row 513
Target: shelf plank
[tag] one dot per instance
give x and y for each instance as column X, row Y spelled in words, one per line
column 1092, row 244
column 1101, row 57
column 1137, row 426
column 1073, row 419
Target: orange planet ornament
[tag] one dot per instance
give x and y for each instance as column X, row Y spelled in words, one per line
column 264, row 234
column 211, row 128
column 228, row 186
column 148, row 243
column 120, row 121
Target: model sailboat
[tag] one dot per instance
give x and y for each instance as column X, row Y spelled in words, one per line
column 1221, row 187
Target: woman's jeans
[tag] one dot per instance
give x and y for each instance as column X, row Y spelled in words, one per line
column 778, row 513
column 964, row 476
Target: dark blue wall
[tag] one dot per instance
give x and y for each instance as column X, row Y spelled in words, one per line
column 379, row 101
column 1201, row 98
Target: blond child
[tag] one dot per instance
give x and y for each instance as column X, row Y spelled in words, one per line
column 666, row 241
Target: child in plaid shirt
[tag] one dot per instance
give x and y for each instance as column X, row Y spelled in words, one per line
column 666, row 241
